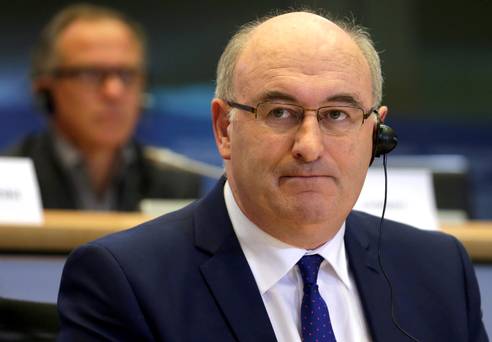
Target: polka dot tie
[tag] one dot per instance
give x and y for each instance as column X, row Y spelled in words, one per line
column 315, row 319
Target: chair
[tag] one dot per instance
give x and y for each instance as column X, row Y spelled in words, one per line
column 23, row 321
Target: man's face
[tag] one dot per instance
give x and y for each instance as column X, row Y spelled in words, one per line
column 294, row 183
column 96, row 114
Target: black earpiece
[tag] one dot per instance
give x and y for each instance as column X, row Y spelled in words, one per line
column 45, row 101
column 384, row 140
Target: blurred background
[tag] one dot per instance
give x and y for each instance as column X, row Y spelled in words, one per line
column 436, row 55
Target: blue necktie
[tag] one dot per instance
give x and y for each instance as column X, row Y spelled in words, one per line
column 315, row 319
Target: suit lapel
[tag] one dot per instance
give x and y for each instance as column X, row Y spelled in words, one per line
column 232, row 284
column 361, row 246
column 227, row 272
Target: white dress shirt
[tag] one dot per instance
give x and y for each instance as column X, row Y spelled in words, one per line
column 273, row 264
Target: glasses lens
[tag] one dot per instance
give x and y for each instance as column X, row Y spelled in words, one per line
column 128, row 76
column 96, row 76
column 279, row 116
column 338, row 120
column 90, row 76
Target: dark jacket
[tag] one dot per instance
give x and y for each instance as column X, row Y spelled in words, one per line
column 142, row 179
column 184, row 277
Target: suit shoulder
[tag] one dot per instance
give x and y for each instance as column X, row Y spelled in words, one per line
column 28, row 146
column 399, row 233
column 403, row 247
column 164, row 243
column 163, row 233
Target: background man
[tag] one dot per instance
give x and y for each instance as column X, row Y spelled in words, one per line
column 89, row 70
column 275, row 252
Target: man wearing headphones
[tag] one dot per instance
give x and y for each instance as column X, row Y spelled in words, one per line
column 89, row 72
column 275, row 252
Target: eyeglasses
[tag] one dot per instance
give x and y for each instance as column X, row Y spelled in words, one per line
column 282, row 117
column 94, row 76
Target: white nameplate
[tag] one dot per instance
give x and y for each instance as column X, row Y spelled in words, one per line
column 156, row 207
column 410, row 197
column 19, row 192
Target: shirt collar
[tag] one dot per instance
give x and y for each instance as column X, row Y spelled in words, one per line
column 271, row 259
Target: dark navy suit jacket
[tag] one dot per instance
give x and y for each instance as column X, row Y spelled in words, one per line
column 141, row 179
column 184, row 277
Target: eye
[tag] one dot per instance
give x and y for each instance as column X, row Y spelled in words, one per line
column 335, row 115
column 281, row 113
column 90, row 75
column 127, row 75
column 280, row 116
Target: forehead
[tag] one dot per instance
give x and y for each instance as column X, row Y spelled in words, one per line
column 307, row 57
column 98, row 41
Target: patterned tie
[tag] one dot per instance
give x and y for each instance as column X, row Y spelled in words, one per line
column 315, row 319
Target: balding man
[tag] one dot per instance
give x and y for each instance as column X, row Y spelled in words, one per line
column 275, row 251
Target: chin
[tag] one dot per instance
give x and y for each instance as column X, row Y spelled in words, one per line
column 313, row 197
column 308, row 210
column 111, row 142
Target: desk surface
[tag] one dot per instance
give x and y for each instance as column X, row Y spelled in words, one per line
column 64, row 230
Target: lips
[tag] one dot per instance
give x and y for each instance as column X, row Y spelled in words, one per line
column 306, row 174
column 316, row 173
column 307, row 182
column 111, row 117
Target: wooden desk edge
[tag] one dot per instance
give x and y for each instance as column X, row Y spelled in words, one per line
column 64, row 231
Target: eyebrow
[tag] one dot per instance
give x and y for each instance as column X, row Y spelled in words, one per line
column 347, row 99
column 276, row 96
column 344, row 98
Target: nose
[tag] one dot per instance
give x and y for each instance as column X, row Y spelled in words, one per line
column 112, row 86
column 308, row 143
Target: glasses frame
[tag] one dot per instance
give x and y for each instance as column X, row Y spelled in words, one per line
column 127, row 76
column 254, row 110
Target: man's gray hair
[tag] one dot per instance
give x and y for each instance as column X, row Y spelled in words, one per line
column 45, row 57
column 225, row 69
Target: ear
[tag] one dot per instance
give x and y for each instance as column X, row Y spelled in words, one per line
column 43, row 94
column 40, row 84
column 220, row 122
column 383, row 111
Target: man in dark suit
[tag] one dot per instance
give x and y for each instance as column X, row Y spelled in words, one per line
column 274, row 251
column 89, row 73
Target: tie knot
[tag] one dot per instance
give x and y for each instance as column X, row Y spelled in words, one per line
column 309, row 267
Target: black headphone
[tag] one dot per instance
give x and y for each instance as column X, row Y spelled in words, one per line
column 45, row 101
column 384, row 139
